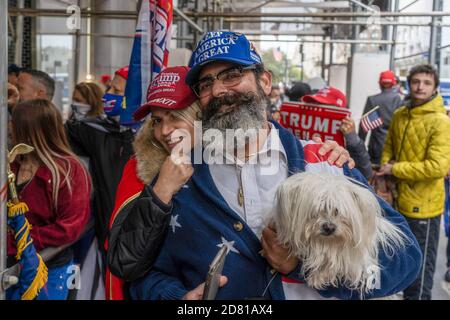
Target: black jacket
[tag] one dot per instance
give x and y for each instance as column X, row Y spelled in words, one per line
column 357, row 149
column 137, row 235
column 108, row 146
column 388, row 100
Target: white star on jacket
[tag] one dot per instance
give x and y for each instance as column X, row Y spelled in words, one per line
column 174, row 223
column 229, row 245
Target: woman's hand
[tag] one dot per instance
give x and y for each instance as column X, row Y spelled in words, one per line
column 172, row 177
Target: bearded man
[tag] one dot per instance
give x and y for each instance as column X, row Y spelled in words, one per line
column 230, row 193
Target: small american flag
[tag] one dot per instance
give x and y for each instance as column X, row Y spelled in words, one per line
column 371, row 121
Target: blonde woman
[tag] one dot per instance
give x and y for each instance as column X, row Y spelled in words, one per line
column 135, row 240
column 55, row 186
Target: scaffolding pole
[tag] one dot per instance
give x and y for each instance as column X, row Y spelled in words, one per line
column 331, row 41
column 188, row 20
column 332, row 22
column 111, row 14
column 3, row 135
column 433, row 35
column 256, row 20
column 359, row 14
column 355, row 31
column 394, row 38
column 19, row 35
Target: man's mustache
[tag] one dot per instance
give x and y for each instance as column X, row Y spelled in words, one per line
column 212, row 110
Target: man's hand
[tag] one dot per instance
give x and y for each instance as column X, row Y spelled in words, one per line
column 338, row 156
column 386, row 169
column 197, row 293
column 13, row 96
column 347, row 126
column 276, row 116
column 277, row 255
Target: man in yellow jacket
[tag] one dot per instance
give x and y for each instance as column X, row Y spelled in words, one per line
column 417, row 153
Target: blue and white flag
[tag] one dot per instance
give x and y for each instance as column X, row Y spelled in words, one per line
column 150, row 54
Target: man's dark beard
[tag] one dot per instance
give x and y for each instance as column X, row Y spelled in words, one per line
column 245, row 118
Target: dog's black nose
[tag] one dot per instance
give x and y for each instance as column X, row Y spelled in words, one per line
column 328, row 229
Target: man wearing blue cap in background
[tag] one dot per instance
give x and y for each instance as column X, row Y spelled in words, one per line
column 226, row 204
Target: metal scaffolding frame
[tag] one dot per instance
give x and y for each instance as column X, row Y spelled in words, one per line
column 19, row 34
column 188, row 20
column 433, row 35
column 114, row 14
column 333, row 41
column 335, row 22
column 394, row 38
column 249, row 17
column 318, row 14
column 256, row 18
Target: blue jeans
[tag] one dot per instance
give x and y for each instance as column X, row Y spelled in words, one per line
column 55, row 289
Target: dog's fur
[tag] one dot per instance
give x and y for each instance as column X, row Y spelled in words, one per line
column 309, row 206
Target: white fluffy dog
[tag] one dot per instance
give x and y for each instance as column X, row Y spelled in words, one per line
column 335, row 227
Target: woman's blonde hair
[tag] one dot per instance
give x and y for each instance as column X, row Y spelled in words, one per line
column 150, row 154
column 39, row 124
column 189, row 115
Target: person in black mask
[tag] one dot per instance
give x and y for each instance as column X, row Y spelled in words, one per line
column 86, row 101
column 97, row 135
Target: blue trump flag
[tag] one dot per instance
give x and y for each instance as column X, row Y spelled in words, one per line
column 149, row 55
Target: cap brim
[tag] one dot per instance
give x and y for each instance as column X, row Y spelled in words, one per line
column 315, row 99
column 146, row 109
column 142, row 112
column 388, row 82
column 192, row 75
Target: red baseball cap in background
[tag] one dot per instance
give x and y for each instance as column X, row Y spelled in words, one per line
column 105, row 78
column 123, row 72
column 329, row 96
column 387, row 78
column 168, row 91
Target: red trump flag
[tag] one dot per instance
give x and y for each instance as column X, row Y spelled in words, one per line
column 306, row 121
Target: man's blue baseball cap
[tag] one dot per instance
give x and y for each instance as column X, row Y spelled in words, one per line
column 221, row 46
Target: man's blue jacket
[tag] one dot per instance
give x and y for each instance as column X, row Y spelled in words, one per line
column 202, row 221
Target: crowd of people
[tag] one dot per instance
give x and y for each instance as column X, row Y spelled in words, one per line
column 143, row 220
